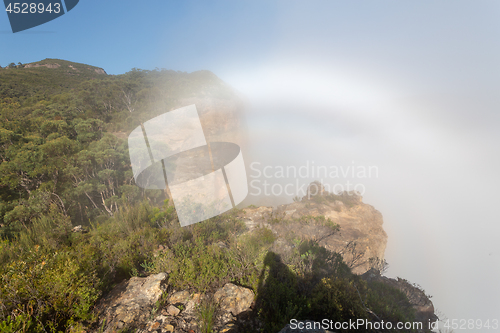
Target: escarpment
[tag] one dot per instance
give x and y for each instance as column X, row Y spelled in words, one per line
column 340, row 223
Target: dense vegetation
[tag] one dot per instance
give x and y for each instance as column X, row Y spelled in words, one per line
column 61, row 166
column 55, row 141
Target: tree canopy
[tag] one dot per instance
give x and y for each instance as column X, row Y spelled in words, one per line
column 63, row 132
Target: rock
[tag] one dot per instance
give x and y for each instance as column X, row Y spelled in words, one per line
column 234, row 299
column 130, row 303
column 78, row 228
column 54, row 65
column 193, row 303
column 156, row 325
column 228, row 328
column 100, row 71
column 179, row 297
column 222, row 245
column 315, row 188
column 172, row 310
column 73, row 68
column 256, row 217
column 222, row 119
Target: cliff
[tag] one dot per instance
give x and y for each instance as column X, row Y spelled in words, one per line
column 317, row 216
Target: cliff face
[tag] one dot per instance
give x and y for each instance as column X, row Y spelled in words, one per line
column 360, row 236
column 73, row 67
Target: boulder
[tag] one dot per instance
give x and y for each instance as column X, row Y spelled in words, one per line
column 234, row 299
column 179, row 297
column 314, row 189
column 173, row 311
column 129, row 304
column 79, row 228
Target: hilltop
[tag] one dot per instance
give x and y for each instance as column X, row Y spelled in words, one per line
column 46, row 76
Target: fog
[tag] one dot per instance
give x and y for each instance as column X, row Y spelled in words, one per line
column 416, row 95
column 436, row 185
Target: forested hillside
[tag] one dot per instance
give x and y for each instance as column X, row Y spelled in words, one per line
column 55, row 135
column 65, row 163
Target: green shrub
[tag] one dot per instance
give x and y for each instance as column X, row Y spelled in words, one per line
column 51, row 230
column 52, row 288
column 252, row 244
column 336, row 299
column 192, row 264
column 389, row 303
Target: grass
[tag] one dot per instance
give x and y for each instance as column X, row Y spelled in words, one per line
column 207, row 313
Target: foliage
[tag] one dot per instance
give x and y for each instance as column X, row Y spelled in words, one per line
column 196, row 257
column 336, row 298
column 388, row 303
column 47, row 290
column 319, row 220
column 252, row 245
column 56, row 145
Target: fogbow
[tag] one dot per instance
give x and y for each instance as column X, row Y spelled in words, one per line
column 204, row 179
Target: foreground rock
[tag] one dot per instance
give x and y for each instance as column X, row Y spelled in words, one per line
column 130, row 303
column 137, row 306
column 234, row 299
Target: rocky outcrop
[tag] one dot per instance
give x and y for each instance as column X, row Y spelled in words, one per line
column 54, row 65
column 99, row 71
column 73, row 68
column 57, row 65
column 222, row 119
column 136, row 305
column 361, row 235
column 130, row 302
column 234, row 299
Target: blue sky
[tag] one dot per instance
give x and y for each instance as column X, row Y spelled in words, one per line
column 411, row 87
column 118, row 36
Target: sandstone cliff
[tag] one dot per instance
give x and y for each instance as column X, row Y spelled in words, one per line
column 360, row 236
